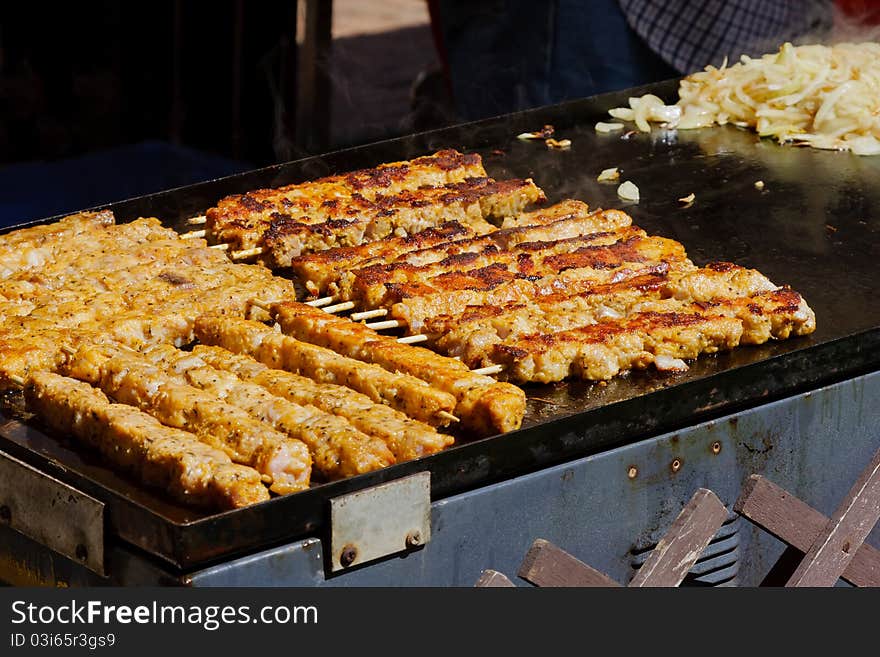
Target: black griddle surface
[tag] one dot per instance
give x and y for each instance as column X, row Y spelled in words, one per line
column 813, row 226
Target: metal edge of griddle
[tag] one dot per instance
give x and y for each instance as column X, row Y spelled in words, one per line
column 468, row 466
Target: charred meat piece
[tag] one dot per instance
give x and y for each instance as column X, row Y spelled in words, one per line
column 242, row 219
column 662, row 337
column 321, row 269
column 370, row 285
column 470, row 202
column 473, row 334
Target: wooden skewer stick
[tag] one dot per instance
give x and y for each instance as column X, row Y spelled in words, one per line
column 17, row 380
column 387, row 324
column 318, row 303
column 378, row 326
column 340, row 307
column 413, row 339
column 368, row 314
column 195, row 221
column 246, row 253
column 491, row 369
column 219, row 247
column 448, row 416
column 193, row 234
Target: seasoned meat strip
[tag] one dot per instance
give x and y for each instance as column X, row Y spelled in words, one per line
column 401, row 391
column 242, row 219
column 406, row 438
column 321, row 269
column 472, row 334
column 159, row 456
column 60, row 230
column 669, row 332
column 130, row 378
column 563, row 210
column 566, row 227
column 530, row 277
column 484, row 406
column 338, row 449
column 56, row 253
column 468, row 202
column 602, row 350
column 370, row 285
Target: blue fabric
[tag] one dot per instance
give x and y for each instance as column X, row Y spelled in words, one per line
column 690, row 34
column 509, row 55
column 42, row 189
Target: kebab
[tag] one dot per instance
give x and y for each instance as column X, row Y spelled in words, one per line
column 338, row 449
column 406, row 438
column 484, row 406
column 500, row 283
column 130, row 378
column 240, row 220
column 322, row 271
column 159, row 456
column 56, row 248
column 373, row 286
column 602, row 350
column 472, row 334
column 406, row 393
column 62, row 229
column 470, row 202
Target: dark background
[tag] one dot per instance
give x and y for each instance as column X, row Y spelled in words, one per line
column 103, row 100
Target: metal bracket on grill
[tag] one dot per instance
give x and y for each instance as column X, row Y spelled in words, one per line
column 52, row 513
column 379, row 521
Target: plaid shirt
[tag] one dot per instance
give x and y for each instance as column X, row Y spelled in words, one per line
column 689, row 34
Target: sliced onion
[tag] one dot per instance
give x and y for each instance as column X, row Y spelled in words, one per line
column 669, row 364
column 608, row 175
column 608, row 127
column 622, row 113
column 824, row 97
column 628, row 191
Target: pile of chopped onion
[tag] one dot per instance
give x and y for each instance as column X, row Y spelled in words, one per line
column 825, row 97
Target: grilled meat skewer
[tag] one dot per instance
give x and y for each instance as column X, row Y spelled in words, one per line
column 159, row 456
column 602, row 350
column 451, row 293
column 405, row 437
column 130, row 378
column 338, row 449
column 484, row 406
column 242, row 219
column 60, row 230
column 469, row 202
column 370, row 285
column 319, row 269
column 56, row 250
column 406, row 393
column 472, row 334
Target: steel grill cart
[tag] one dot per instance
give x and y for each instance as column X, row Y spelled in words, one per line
column 599, row 470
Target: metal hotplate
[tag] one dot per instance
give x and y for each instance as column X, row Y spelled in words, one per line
column 813, row 226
